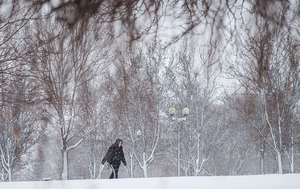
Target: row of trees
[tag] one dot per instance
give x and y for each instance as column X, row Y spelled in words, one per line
column 68, row 93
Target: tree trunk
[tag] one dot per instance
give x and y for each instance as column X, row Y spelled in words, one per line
column 178, row 151
column 145, row 171
column 262, row 156
column 131, row 165
column 279, row 162
column 65, row 165
column 292, row 159
column 9, row 173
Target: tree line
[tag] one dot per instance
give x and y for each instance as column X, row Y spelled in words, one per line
column 69, row 89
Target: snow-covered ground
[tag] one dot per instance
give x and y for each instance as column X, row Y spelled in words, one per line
column 288, row 181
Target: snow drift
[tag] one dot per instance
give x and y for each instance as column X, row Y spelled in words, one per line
column 288, row 181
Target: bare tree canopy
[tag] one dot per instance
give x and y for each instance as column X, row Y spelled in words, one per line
column 140, row 18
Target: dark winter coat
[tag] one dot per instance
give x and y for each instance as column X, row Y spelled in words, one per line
column 115, row 155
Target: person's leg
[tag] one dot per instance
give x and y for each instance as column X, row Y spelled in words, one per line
column 112, row 172
column 116, row 171
column 112, row 175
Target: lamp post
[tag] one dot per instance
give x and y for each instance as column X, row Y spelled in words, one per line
column 185, row 112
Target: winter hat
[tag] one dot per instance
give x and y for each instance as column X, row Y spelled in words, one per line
column 118, row 141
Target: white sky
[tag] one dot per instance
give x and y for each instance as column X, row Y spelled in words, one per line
column 287, row 181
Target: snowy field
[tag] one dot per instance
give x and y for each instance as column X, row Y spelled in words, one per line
column 288, row 181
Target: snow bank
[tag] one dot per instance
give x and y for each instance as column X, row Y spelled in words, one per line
column 289, row 181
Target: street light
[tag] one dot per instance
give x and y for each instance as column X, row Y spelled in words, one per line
column 185, row 112
column 139, row 133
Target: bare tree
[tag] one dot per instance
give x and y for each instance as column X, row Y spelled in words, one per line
column 240, row 139
column 21, row 114
column 198, row 91
column 138, row 92
column 22, row 121
column 95, row 106
column 62, row 65
column 264, row 69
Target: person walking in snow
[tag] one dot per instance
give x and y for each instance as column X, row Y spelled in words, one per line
column 114, row 156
